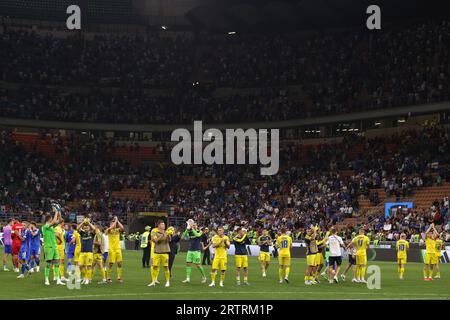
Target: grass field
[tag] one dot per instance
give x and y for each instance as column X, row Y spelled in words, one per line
column 136, row 279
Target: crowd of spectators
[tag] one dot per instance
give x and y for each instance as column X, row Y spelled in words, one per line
column 179, row 78
column 85, row 175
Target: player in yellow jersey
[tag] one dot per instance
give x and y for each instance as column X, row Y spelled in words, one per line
column 220, row 242
column 284, row 245
column 161, row 237
column 61, row 245
column 361, row 242
column 264, row 241
column 320, row 261
column 98, row 250
column 402, row 247
column 430, row 252
column 76, row 256
column 152, row 250
column 115, row 251
column 439, row 248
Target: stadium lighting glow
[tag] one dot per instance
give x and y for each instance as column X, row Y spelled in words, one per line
column 164, row 27
column 401, row 120
column 377, row 123
column 231, row 32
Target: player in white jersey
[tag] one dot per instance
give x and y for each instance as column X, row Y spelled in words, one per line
column 335, row 244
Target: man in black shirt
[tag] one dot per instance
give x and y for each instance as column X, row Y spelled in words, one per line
column 206, row 243
column 173, row 244
column 240, row 245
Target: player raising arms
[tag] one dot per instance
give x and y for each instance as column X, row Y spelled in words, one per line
column 35, row 247
column 61, row 246
column 115, row 251
column 194, row 255
column 161, row 253
column 98, row 250
column 402, row 252
column 86, row 230
column 240, row 254
column 284, row 244
column 264, row 241
column 51, row 255
column 430, row 252
column 361, row 242
column 220, row 242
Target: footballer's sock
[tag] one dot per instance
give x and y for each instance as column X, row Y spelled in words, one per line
column 119, row 272
column 402, row 271
column 47, row 272
column 155, row 273
column 425, row 272
column 56, row 269
column 202, row 271
column 32, row 264
column 280, row 273
column 16, row 262
column 311, row 278
column 245, row 279
column 222, row 277
column 89, row 273
column 430, row 273
column 363, row 272
column 77, row 272
column 167, row 274
column 103, row 273
column 188, row 272
column 358, row 273
column 38, row 262
column 61, row 269
column 288, row 269
column 108, row 272
column 213, row 276
column 69, row 267
column 238, row 278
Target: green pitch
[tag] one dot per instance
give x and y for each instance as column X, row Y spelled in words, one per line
column 136, row 279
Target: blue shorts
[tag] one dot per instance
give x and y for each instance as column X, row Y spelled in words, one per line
column 24, row 255
column 35, row 252
column 8, row 248
column 70, row 255
column 105, row 256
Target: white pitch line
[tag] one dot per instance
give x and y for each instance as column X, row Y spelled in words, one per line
column 419, row 296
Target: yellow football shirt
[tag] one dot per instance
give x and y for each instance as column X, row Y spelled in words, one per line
column 76, row 235
column 439, row 246
column 362, row 243
column 221, row 250
column 284, row 244
column 114, row 239
column 430, row 245
column 402, row 248
column 59, row 233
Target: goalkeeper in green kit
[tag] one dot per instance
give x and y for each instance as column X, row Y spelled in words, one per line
column 194, row 252
column 50, row 250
